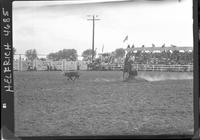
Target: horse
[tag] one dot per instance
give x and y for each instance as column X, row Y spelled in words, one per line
column 128, row 67
column 126, row 70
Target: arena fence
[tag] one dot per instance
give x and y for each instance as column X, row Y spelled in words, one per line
column 40, row 65
column 175, row 68
column 147, row 67
column 63, row 65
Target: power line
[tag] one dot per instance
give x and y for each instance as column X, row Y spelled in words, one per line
column 93, row 19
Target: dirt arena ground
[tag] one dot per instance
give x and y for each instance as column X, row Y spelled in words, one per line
column 100, row 103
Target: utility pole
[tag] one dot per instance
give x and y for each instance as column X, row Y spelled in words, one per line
column 94, row 18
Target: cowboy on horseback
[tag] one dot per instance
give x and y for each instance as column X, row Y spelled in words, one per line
column 127, row 71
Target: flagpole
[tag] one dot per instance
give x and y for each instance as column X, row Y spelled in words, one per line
column 93, row 29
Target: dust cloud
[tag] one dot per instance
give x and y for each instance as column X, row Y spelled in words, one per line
column 166, row 76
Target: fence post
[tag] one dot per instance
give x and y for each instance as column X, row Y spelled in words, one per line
column 20, row 60
column 19, row 64
column 189, row 68
column 160, row 68
column 179, row 68
column 63, row 65
column 36, row 64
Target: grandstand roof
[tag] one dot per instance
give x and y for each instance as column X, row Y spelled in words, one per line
column 151, row 49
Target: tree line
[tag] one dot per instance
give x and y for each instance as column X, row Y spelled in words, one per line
column 69, row 54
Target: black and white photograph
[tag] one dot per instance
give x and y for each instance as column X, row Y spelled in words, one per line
column 103, row 67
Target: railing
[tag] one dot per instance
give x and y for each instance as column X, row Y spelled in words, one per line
column 147, row 67
column 39, row 65
column 64, row 65
column 178, row 68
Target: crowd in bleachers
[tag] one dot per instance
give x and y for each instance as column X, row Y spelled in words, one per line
column 153, row 61
column 165, row 58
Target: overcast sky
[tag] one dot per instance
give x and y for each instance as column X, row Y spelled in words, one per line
column 52, row 26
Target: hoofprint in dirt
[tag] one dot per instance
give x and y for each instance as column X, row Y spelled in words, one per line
column 100, row 103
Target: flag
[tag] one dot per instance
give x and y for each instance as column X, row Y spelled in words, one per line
column 126, row 38
column 173, row 45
